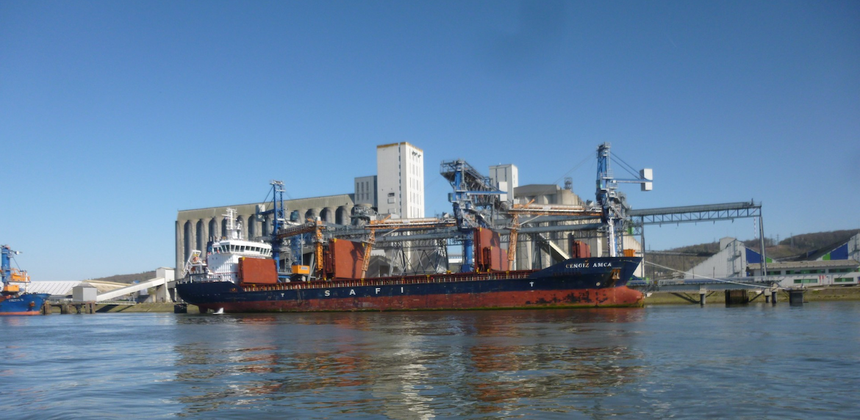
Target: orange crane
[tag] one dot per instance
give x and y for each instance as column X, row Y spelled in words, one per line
column 409, row 224
column 540, row 210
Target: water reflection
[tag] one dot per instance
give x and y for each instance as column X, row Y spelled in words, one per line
column 405, row 365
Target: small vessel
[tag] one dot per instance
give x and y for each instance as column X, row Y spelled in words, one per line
column 14, row 297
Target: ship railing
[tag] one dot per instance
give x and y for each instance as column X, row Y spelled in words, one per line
column 427, row 279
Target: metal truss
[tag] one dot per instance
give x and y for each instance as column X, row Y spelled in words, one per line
column 694, row 214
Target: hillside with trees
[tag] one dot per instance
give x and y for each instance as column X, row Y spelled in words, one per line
column 668, row 264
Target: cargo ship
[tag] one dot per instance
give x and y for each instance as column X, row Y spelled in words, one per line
column 237, row 275
column 14, row 297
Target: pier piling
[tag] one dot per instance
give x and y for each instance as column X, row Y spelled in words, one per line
column 737, row 297
column 795, row 296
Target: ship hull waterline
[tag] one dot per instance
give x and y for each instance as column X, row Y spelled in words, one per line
column 556, row 287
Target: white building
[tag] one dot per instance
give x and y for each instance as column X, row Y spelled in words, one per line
column 732, row 260
column 365, row 190
column 400, row 180
column 506, row 177
column 843, row 272
column 836, row 267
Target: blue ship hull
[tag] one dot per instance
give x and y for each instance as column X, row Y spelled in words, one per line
column 592, row 282
column 24, row 304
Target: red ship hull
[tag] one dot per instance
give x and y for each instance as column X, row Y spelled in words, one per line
column 596, row 282
column 605, row 298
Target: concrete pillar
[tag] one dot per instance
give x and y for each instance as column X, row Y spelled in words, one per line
column 266, row 225
column 736, row 297
column 180, row 249
column 162, row 293
column 213, row 230
column 192, row 237
column 253, row 226
column 199, row 234
column 795, row 297
column 187, row 234
column 203, row 234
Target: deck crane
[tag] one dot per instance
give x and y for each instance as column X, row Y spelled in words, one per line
column 570, row 212
column 9, row 274
column 613, row 203
column 297, row 233
column 474, row 195
column 389, row 226
column 368, row 247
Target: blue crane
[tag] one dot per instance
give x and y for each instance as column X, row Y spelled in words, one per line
column 279, row 218
column 474, row 194
column 612, row 202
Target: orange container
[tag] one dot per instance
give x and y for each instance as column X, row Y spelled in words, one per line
column 344, row 259
column 257, row 271
column 580, row 249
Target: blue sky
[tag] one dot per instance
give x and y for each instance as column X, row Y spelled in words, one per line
column 114, row 115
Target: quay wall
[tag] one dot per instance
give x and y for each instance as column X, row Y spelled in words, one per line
column 818, row 294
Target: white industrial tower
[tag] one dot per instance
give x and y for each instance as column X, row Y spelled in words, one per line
column 400, row 180
column 506, row 177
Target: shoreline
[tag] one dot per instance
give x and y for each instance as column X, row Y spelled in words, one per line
column 818, row 294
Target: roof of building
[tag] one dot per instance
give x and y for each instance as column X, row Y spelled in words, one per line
column 64, row 288
column 807, row 264
column 54, row 288
column 382, row 146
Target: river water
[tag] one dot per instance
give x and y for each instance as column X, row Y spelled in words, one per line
column 756, row 361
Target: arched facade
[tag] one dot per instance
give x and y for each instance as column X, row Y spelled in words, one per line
column 326, row 215
column 195, row 228
column 311, row 214
column 342, row 215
